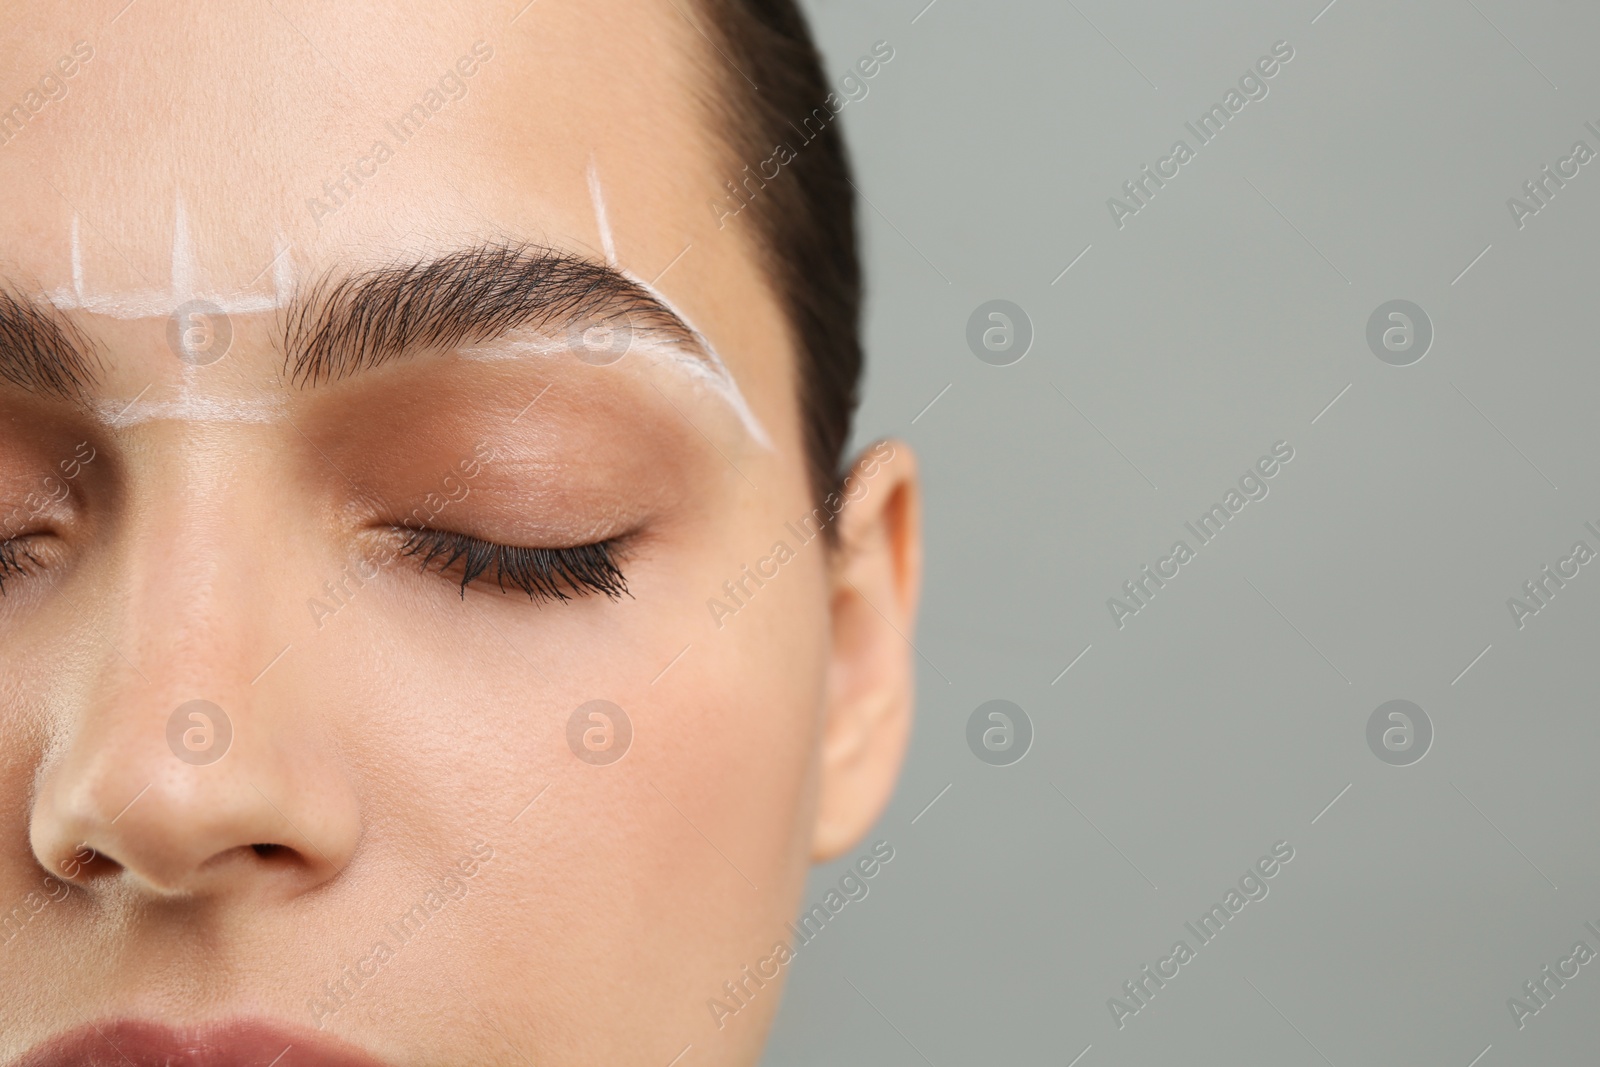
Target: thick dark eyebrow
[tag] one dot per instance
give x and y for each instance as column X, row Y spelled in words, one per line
column 350, row 322
column 42, row 351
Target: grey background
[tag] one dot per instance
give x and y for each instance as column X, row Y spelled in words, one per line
column 1223, row 317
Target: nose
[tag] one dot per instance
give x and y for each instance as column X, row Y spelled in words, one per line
column 177, row 764
column 192, row 798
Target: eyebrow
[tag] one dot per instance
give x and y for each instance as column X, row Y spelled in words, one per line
column 42, row 351
column 351, row 322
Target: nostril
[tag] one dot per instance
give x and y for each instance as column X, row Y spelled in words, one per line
column 86, row 865
column 271, row 855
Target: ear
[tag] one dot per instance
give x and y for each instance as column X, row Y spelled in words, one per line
column 876, row 580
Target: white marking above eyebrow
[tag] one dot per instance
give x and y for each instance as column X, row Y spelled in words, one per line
column 602, row 221
column 77, row 263
column 710, row 371
column 282, row 270
column 183, row 285
column 183, row 268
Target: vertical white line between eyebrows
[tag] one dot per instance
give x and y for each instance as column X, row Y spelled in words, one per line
column 77, row 261
column 283, row 277
column 183, row 257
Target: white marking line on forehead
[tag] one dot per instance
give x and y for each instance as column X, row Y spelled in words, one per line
column 183, row 285
column 711, row 371
column 602, row 221
column 77, row 263
column 182, row 272
column 282, row 270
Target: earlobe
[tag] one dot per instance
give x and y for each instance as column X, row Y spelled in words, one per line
column 876, row 581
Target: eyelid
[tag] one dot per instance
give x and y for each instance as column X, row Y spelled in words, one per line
column 542, row 573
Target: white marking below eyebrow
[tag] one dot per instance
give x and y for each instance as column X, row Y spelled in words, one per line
column 121, row 413
column 183, row 285
column 602, row 221
column 706, row 371
column 711, row 370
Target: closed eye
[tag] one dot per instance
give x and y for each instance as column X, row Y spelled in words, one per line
column 542, row 573
column 15, row 560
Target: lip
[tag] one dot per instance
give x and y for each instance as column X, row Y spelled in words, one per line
column 233, row 1043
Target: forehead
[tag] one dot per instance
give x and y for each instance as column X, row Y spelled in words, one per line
column 254, row 110
column 230, row 147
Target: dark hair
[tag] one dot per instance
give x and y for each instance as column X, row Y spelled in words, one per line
column 804, row 219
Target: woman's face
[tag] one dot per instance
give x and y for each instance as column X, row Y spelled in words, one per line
column 301, row 744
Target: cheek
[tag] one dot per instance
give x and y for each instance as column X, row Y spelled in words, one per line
column 663, row 870
column 748, row 707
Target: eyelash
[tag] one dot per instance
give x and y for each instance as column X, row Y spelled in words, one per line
column 542, row 573
column 13, row 553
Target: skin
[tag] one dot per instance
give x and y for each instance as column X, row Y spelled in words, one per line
column 414, row 723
